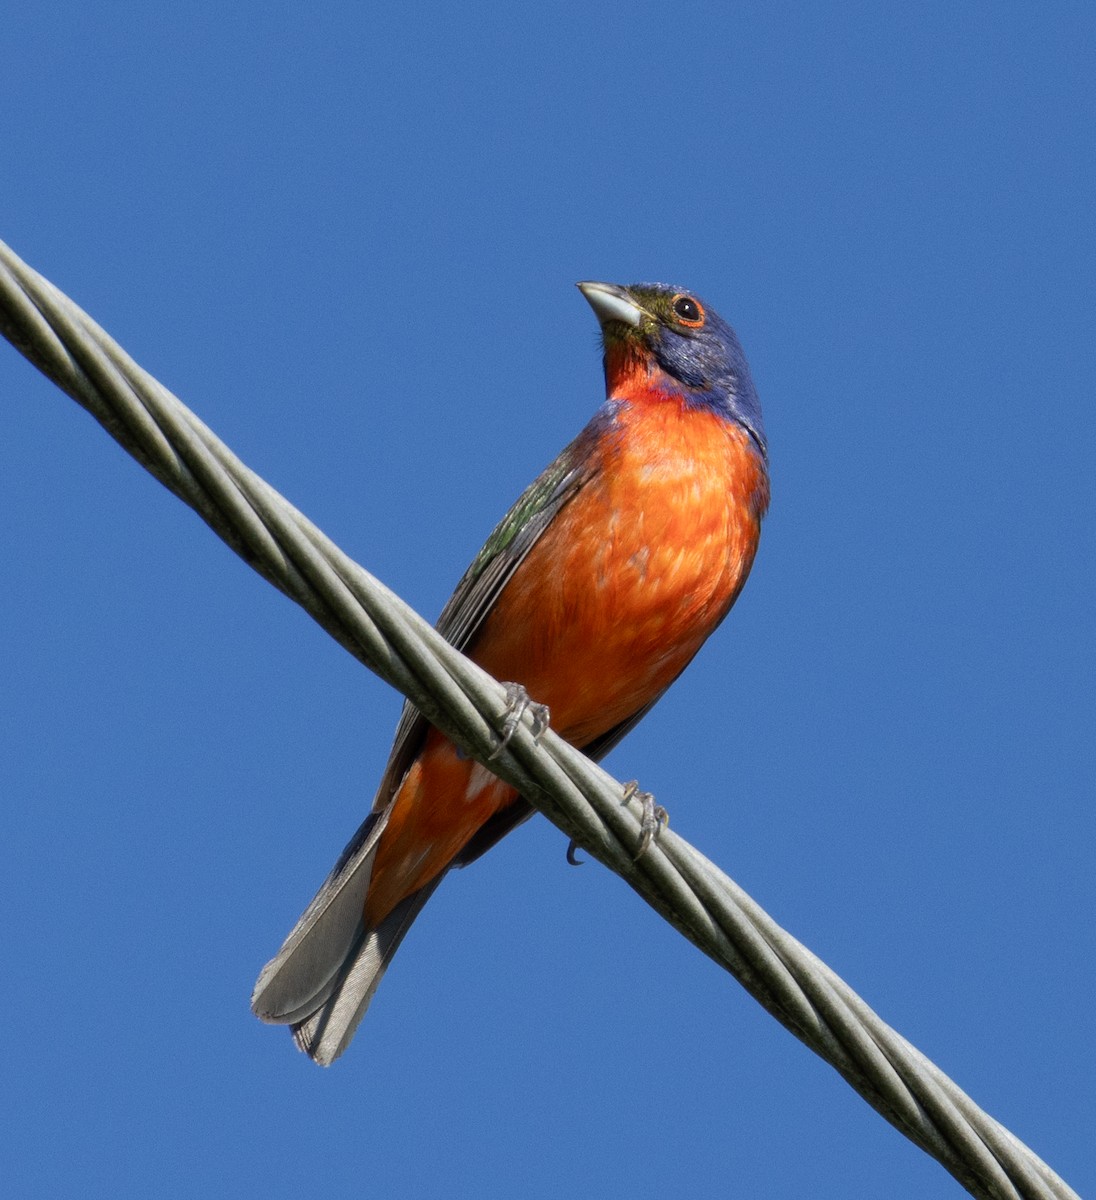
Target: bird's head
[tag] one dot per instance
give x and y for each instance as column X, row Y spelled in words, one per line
column 666, row 339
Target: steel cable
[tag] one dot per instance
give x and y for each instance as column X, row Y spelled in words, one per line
column 467, row 705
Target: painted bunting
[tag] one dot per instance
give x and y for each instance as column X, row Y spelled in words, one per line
column 593, row 593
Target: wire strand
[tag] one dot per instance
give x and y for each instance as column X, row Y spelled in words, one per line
column 468, row 706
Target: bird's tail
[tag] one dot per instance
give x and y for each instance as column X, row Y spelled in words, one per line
column 322, row 979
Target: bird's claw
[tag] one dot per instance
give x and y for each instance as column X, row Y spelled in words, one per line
column 652, row 820
column 517, row 705
column 572, row 854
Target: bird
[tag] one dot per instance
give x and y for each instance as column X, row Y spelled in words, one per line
column 590, row 598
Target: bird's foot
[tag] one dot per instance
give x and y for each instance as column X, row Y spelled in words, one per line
column 652, row 820
column 517, row 705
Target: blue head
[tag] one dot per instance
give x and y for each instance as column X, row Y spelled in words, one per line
column 687, row 340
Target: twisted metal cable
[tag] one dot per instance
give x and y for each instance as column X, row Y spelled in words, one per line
column 468, row 706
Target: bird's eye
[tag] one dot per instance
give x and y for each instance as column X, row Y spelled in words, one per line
column 689, row 312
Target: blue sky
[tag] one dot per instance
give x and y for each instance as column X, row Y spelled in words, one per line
column 348, row 239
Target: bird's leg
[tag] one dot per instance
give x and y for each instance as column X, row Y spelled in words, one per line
column 653, row 819
column 517, row 704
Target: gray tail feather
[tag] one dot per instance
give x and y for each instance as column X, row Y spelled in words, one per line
column 325, row 1033
column 321, row 981
column 303, row 972
column 325, row 973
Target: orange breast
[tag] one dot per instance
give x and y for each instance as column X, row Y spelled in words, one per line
column 631, row 577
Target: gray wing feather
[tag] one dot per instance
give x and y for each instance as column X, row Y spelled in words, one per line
column 515, row 535
column 322, row 979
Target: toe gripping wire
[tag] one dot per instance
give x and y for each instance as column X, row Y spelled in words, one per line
column 473, row 710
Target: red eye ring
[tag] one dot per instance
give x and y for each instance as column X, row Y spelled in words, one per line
column 689, row 312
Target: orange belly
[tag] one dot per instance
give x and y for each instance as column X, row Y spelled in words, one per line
column 605, row 612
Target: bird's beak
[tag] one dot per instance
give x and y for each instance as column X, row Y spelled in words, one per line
column 611, row 302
